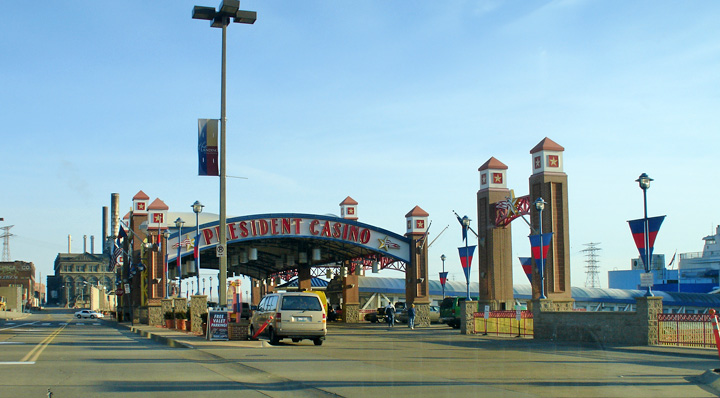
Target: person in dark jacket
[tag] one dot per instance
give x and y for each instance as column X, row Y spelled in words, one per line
column 411, row 316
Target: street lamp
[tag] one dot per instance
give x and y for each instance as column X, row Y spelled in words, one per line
column 443, row 258
column 197, row 208
column 644, row 183
column 210, row 298
column 179, row 224
column 540, row 206
column 228, row 9
column 203, row 286
column 166, row 235
column 466, row 225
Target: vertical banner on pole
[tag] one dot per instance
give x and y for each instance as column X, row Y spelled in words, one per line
column 526, row 263
column 208, row 147
column 443, row 278
column 466, row 255
column 637, row 227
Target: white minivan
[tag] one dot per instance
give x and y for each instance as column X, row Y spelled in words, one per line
column 292, row 315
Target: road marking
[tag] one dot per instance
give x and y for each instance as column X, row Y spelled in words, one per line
column 17, row 363
column 11, row 342
column 33, row 355
column 17, row 326
column 45, row 324
column 10, row 323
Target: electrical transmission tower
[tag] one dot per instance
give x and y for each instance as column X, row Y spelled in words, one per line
column 6, row 242
column 591, row 269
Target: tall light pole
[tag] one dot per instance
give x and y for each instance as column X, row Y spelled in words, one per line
column 203, row 286
column 197, row 208
column 540, row 206
column 179, row 224
column 443, row 258
column 210, row 298
column 228, row 9
column 644, row 183
column 166, row 235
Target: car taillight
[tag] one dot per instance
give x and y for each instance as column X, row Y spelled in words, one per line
column 324, row 316
column 277, row 317
column 453, row 311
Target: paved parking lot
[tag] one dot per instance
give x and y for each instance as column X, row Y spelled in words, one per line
column 369, row 359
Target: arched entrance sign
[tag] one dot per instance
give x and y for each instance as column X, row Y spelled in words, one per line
column 266, row 244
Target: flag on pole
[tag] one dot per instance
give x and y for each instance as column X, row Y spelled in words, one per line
column 466, row 254
column 535, row 248
column 116, row 256
column 443, row 278
column 526, row 263
column 637, row 227
column 208, row 147
column 464, row 229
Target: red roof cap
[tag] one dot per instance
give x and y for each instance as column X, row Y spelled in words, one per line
column 141, row 196
column 158, row 204
column 547, row 145
column 348, row 201
column 494, row 164
column 417, row 212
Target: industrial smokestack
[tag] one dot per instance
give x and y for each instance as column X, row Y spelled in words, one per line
column 84, row 243
column 92, row 244
column 115, row 214
column 104, row 229
column 69, row 244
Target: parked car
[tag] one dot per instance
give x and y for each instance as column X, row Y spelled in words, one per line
column 434, row 315
column 88, row 314
column 292, row 315
column 450, row 311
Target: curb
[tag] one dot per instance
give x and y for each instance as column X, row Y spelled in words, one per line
column 710, row 381
column 156, row 337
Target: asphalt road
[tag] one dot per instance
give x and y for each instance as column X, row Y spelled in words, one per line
column 99, row 358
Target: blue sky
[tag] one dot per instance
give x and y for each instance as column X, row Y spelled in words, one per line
column 395, row 104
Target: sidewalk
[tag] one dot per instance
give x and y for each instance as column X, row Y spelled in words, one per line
column 177, row 339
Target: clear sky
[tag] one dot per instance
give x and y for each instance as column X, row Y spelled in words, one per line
column 393, row 103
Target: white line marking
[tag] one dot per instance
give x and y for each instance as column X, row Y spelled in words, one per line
column 17, row 326
column 17, row 363
column 11, row 342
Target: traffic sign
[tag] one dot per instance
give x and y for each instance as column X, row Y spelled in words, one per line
column 220, row 251
column 119, row 292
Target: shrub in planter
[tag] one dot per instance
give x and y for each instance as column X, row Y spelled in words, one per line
column 169, row 319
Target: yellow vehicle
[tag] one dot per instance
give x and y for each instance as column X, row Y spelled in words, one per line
column 3, row 304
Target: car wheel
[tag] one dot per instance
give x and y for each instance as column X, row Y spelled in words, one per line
column 456, row 325
column 318, row 341
column 273, row 337
column 92, row 316
column 78, row 316
column 295, row 340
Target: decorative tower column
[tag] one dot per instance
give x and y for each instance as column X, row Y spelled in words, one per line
column 138, row 216
column 348, row 209
column 156, row 224
column 549, row 182
column 494, row 243
column 417, row 286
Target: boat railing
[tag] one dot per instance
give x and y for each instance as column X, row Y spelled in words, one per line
column 687, row 256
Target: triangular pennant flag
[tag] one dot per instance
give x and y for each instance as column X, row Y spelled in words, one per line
column 526, row 263
column 443, row 278
column 637, row 227
column 538, row 242
column 466, row 254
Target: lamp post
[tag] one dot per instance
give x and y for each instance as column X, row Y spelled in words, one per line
column 644, row 183
column 166, row 235
column 210, row 289
column 197, row 208
column 228, row 9
column 203, row 286
column 443, row 258
column 179, row 224
column 540, row 206
column 466, row 225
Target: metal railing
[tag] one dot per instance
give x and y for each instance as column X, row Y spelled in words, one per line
column 504, row 323
column 685, row 330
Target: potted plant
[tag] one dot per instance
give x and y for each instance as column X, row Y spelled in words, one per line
column 188, row 322
column 169, row 319
column 180, row 320
column 203, row 320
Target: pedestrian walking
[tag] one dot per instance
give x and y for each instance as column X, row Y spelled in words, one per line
column 411, row 316
column 390, row 314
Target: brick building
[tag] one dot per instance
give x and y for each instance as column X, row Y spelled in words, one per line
column 20, row 273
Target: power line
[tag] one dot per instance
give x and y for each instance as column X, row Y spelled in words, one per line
column 6, row 242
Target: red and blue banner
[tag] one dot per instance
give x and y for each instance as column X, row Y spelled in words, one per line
column 443, row 278
column 208, row 147
column 637, row 227
column 538, row 242
column 526, row 263
column 466, row 255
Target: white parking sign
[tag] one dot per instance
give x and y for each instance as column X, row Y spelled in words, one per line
column 220, row 251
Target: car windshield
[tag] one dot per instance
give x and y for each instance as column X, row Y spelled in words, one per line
column 301, row 303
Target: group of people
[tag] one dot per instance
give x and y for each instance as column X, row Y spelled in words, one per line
column 390, row 315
